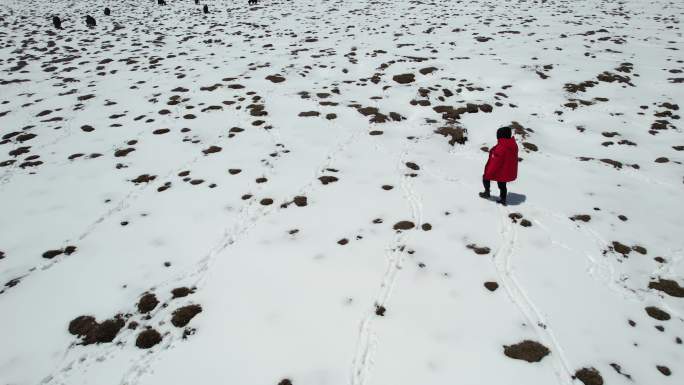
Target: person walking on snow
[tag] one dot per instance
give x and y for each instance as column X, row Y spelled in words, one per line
column 502, row 165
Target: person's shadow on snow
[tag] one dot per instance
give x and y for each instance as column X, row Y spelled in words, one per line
column 515, row 199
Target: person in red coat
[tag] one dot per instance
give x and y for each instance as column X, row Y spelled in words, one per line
column 502, row 165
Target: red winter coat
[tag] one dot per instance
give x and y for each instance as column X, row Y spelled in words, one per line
column 502, row 165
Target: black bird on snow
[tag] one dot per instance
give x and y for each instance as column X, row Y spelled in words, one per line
column 205, row 9
column 57, row 22
column 196, row 2
column 161, row 2
column 90, row 21
column 107, row 11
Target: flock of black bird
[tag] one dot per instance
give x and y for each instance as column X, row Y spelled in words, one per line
column 90, row 21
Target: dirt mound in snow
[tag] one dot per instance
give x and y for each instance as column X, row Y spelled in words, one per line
column 664, row 370
column 667, row 286
column 82, row 325
column 144, row 178
column 403, row 225
column 657, row 313
column 53, row 253
column 457, row 134
column 404, row 78
column 412, row 166
column 211, row 150
column 589, row 376
column 92, row 332
column 147, row 303
column 183, row 315
column 106, row 331
column 325, row 179
column 491, row 286
column 180, row 292
column 581, row 217
column 481, row 250
column 300, row 201
column 148, row 338
column 527, row 350
column 275, row 78
column 620, row 248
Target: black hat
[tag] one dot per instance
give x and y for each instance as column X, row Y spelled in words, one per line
column 503, row 132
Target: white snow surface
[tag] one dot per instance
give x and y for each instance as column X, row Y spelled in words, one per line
column 303, row 306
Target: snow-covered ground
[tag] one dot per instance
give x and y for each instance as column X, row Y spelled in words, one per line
column 262, row 158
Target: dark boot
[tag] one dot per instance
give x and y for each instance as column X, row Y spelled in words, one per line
column 503, row 192
column 486, row 185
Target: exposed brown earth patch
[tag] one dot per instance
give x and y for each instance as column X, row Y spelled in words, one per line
column 530, row 351
column 183, row 315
